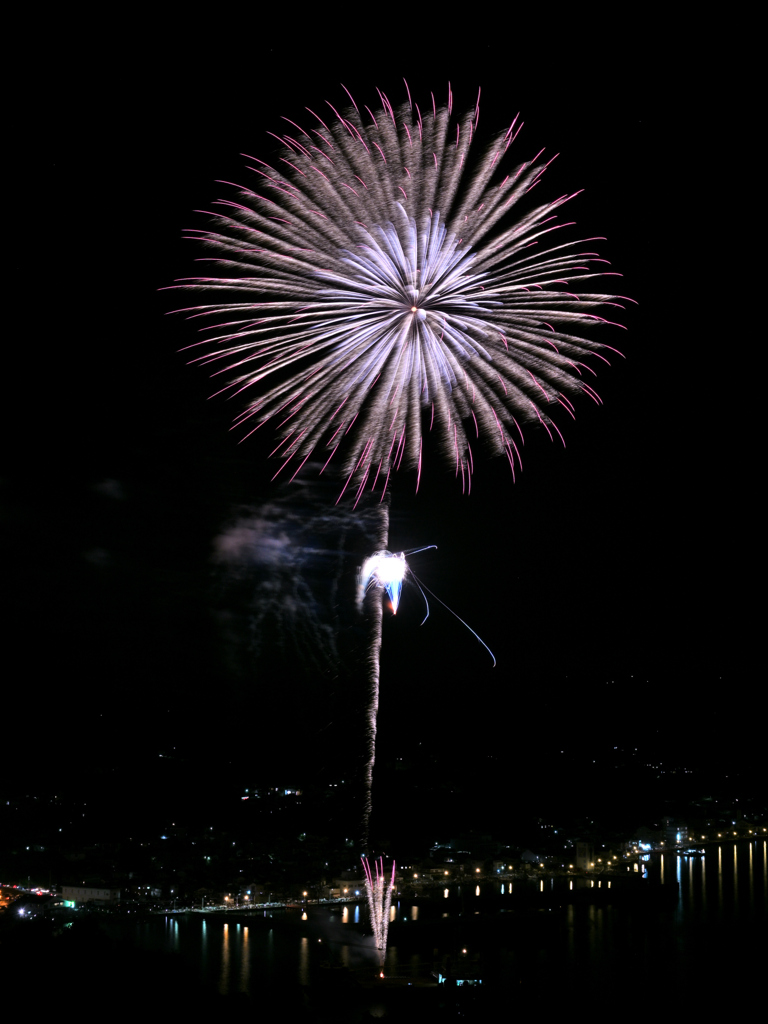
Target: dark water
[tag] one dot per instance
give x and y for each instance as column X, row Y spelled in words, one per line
column 653, row 943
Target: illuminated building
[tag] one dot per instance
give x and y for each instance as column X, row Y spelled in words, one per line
column 585, row 856
column 88, row 894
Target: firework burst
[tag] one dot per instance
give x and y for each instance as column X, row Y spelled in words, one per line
column 379, row 284
column 379, row 892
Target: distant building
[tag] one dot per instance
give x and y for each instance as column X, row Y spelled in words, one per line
column 585, row 856
column 348, row 886
column 675, row 833
column 529, row 857
column 647, row 838
column 83, row 894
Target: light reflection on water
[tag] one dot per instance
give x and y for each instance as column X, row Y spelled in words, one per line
column 225, row 954
column 728, row 883
column 735, row 870
column 304, row 961
column 245, row 963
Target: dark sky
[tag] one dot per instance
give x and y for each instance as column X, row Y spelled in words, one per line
column 603, row 580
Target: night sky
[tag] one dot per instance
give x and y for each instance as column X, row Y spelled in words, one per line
column 150, row 610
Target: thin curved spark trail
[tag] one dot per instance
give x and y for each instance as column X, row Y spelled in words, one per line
column 384, row 570
column 381, row 281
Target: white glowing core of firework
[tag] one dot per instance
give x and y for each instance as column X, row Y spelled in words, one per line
column 383, row 569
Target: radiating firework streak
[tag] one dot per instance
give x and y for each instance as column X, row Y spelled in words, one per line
column 374, row 611
column 378, row 280
column 379, row 892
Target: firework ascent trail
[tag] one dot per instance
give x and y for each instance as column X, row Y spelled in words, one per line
column 380, row 280
column 374, row 613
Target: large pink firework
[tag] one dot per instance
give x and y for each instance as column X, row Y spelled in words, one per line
column 380, row 283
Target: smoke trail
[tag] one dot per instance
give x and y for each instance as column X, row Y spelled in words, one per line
column 373, row 610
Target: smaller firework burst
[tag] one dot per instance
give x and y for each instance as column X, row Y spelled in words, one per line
column 379, row 892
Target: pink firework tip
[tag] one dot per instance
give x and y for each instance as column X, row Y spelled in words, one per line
column 347, row 273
